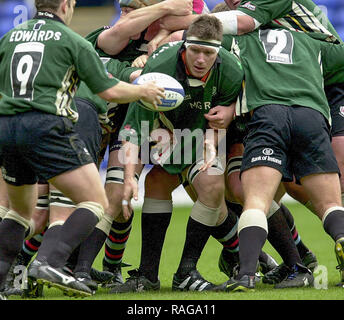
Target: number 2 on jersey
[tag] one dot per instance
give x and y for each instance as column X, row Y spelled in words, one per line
column 278, row 45
column 26, row 62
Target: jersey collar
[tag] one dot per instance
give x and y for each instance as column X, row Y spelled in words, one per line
column 47, row 15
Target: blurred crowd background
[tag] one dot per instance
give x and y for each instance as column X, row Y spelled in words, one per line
column 94, row 13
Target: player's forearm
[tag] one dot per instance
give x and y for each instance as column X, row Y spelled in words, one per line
column 174, row 23
column 123, row 93
column 114, row 40
column 131, row 159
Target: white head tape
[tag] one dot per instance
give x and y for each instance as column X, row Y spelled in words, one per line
column 212, row 44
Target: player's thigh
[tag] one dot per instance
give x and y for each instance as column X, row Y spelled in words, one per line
column 296, row 191
column 159, row 184
column 338, row 149
column 23, row 199
column 82, row 184
column 324, row 191
column 260, row 184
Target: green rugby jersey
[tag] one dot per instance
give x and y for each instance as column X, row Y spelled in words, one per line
column 333, row 63
column 221, row 88
column 134, row 49
column 299, row 15
column 281, row 67
column 120, row 70
column 41, row 64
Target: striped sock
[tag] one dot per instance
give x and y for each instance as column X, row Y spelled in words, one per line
column 226, row 233
column 115, row 244
column 301, row 247
column 30, row 248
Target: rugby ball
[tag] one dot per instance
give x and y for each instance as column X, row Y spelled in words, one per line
column 174, row 92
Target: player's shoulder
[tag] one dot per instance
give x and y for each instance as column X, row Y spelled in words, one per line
column 165, row 57
column 167, row 49
column 228, row 59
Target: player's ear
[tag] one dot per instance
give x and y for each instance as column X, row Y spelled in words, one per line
column 64, row 6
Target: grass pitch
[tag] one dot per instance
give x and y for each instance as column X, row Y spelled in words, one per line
column 310, row 230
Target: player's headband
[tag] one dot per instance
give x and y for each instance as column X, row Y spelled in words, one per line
column 212, row 44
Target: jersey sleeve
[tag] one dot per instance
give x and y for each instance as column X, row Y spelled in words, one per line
column 333, row 62
column 120, row 69
column 265, row 10
column 92, row 70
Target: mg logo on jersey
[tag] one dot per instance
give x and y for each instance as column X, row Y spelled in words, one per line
column 341, row 111
column 268, row 151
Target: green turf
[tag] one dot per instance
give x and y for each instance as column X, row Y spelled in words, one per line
column 308, row 225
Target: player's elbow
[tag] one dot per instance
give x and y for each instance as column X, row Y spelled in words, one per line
column 245, row 26
column 110, row 94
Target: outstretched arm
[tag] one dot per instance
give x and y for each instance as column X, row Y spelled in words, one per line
column 114, row 40
column 234, row 22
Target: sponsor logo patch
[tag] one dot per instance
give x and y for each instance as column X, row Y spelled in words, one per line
column 341, row 111
column 249, row 6
column 268, row 151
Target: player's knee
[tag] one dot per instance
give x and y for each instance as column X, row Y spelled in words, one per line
column 95, row 207
column 204, row 214
column 212, row 192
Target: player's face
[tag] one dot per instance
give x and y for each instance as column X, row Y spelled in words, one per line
column 232, row 4
column 199, row 60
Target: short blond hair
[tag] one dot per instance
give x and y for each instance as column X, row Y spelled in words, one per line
column 51, row 5
column 206, row 27
column 220, row 7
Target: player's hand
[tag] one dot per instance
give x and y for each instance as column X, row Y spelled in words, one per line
column 180, row 7
column 152, row 93
column 130, row 190
column 140, row 61
column 106, row 124
column 219, row 117
column 209, row 155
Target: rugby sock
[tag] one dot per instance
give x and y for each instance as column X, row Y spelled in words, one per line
column 301, row 247
column 197, row 235
column 72, row 260
column 3, row 212
column 226, row 233
column 11, row 239
column 49, row 241
column 252, row 230
column 89, row 250
column 115, row 243
column 235, row 207
column 153, row 228
column 75, row 230
column 251, row 241
column 281, row 238
column 333, row 222
column 30, row 248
